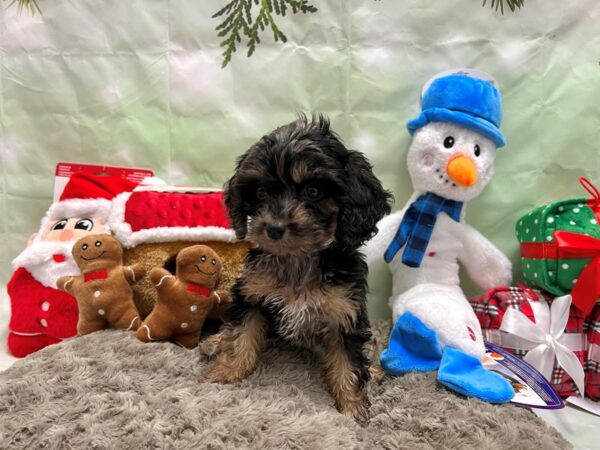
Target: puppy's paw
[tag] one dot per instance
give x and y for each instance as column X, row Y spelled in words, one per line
column 356, row 409
column 210, row 346
column 377, row 373
column 222, row 374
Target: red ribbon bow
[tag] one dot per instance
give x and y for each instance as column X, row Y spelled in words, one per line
column 569, row 245
column 587, row 288
column 594, row 201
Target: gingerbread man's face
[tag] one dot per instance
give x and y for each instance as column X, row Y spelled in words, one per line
column 97, row 250
column 199, row 264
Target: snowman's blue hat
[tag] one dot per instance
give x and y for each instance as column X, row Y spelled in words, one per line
column 464, row 100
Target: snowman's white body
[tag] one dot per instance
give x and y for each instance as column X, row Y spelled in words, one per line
column 432, row 291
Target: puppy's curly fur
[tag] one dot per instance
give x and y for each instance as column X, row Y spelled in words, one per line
column 308, row 203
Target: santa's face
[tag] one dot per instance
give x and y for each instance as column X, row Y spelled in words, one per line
column 48, row 253
column 70, row 229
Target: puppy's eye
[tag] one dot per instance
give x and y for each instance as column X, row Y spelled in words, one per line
column 261, row 193
column 477, row 150
column 312, row 192
column 214, row 262
column 60, row 225
column 449, row 142
column 84, row 246
column 203, row 258
column 98, row 243
column 84, row 224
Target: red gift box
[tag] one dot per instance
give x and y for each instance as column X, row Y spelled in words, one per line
column 492, row 309
column 592, row 367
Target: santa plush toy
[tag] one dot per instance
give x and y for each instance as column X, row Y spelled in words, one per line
column 41, row 314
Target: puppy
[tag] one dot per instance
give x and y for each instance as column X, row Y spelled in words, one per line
column 308, row 203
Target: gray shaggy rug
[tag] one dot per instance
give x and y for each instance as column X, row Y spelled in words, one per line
column 108, row 391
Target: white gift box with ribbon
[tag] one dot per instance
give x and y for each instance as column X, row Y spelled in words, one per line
column 545, row 340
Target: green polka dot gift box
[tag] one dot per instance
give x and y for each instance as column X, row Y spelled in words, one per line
column 560, row 248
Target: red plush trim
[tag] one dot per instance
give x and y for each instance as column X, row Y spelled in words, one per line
column 194, row 229
column 148, row 209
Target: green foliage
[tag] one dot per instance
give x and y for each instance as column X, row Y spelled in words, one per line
column 499, row 4
column 30, row 6
column 239, row 21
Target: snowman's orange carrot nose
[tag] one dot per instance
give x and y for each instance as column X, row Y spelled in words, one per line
column 462, row 170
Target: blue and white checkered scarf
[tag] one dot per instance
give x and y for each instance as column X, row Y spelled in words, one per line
column 417, row 225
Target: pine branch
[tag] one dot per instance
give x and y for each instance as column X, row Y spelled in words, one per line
column 30, row 6
column 238, row 22
column 512, row 4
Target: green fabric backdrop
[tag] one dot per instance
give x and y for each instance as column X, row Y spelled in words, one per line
column 139, row 83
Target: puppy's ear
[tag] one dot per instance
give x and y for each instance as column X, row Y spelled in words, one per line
column 232, row 195
column 364, row 204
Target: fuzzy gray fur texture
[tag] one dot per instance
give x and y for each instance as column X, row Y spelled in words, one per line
column 109, row 391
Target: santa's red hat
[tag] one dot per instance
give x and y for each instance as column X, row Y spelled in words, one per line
column 89, row 196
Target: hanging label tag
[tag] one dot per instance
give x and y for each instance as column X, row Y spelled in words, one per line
column 64, row 170
column 532, row 390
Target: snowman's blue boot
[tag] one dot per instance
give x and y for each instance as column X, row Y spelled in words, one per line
column 412, row 348
column 466, row 375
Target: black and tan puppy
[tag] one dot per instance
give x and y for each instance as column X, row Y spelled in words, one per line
column 308, row 203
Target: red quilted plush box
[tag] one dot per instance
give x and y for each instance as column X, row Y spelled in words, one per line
column 152, row 216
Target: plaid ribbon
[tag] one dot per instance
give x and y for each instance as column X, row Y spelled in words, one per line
column 592, row 328
column 417, row 226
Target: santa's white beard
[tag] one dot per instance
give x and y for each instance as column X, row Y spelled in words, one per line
column 39, row 262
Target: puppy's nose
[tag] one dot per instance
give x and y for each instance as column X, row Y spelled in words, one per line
column 276, row 231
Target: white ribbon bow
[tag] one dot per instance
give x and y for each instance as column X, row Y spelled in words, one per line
column 542, row 356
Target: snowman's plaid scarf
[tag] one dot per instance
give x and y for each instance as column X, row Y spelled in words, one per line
column 417, row 226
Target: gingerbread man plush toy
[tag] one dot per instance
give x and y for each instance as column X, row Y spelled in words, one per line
column 186, row 299
column 103, row 290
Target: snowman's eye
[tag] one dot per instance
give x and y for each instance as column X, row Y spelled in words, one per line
column 449, row 142
column 477, row 150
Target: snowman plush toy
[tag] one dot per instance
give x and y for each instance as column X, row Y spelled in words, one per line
column 450, row 161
